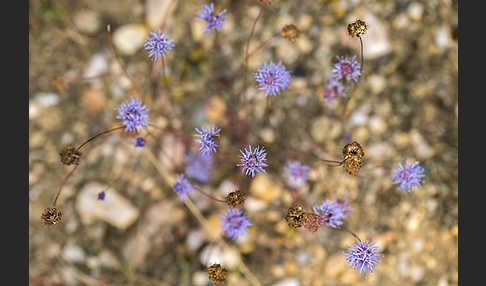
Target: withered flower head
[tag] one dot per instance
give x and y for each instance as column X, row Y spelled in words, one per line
column 295, row 216
column 312, row 221
column 357, row 29
column 290, row 32
column 217, row 274
column 353, row 157
column 235, row 199
column 70, row 155
column 51, row 216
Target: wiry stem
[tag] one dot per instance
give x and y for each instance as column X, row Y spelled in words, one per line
column 63, row 183
column 118, row 60
column 333, row 161
column 362, row 58
column 208, row 195
column 97, row 135
column 248, row 46
column 343, row 228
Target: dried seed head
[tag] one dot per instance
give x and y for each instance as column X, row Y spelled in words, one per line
column 353, row 157
column 217, row 274
column 357, row 29
column 236, row 199
column 352, row 150
column 70, row 155
column 312, row 221
column 290, row 32
column 295, row 216
column 51, row 216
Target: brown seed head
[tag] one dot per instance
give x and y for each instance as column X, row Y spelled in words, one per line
column 353, row 157
column 312, row 221
column 357, row 29
column 295, row 216
column 236, row 199
column 290, row 32
column 70, row 155
column 51, row 216
column 217, row 274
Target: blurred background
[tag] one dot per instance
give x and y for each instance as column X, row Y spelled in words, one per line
column 403, row 108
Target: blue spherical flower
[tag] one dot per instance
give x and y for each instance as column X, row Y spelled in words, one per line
column 253, row 160
column 332, row 89
column 214, row 20
column 101, row 195
column 158, row 45
column 296, row 173
column 208, row 144
column 330, row 213
column 183, row 187
column 363, row 257
column 343, row 204
column 133, row 114
column 235, row 223
column 408, row 175
column 198, row 166
column 348, row 69
column 272, row 78
column 139, row 142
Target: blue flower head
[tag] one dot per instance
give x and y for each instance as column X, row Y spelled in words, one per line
column 330, row 213
column 408, row 176
column 253, row 160
column 139, row 142
column 343, row 204
column 363, row 257
column 206, row 139
column 158, row 45
column 235, row 223
column 333, row 88
column 348, row 69
column 296, row 174
column 183, row 187
column 133, row 114
column 198, row 166
column 101, row 195
column 213, row 20
column 273, row 78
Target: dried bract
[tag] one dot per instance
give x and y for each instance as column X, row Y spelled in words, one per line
column 357, row 29
column 51, row 216
column 236, row 199
column 217, row 274
column 312, row 221
column 70, row 155
column 353, row 158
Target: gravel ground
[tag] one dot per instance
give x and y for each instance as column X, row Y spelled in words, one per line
column 403, row 108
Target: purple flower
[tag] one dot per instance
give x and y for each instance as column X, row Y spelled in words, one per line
column 208, row 144
column 348, row 69
column 347, row 137
column 214, row 21
column 133, row 114
column 296, row 173
column 101, row 195
column 158, row 45
column 235, row 223
column 408, row 176
column 330, row 212
column 139, row 142
column 332, row 89
column 198, row 166
column 343, row 204
column 253, row 160
column 272, row 78
column 183, row 187
column 363, row 256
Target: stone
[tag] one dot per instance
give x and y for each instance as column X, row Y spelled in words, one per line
column 87, row 21
column 73, row 253
column 287, row 282
column 262, row 187
column 376, row 41
column 155, row 11
column 115, row 209
column 128, row 39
